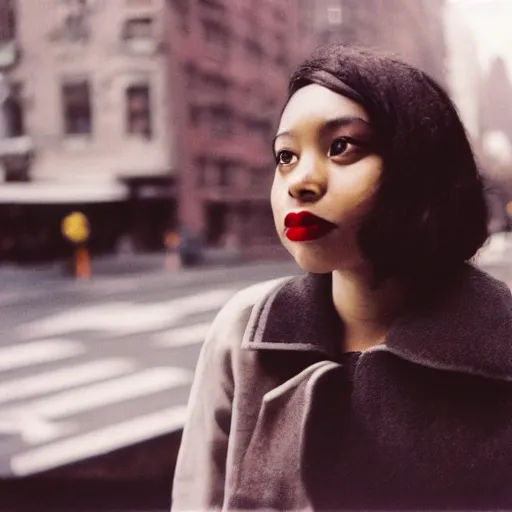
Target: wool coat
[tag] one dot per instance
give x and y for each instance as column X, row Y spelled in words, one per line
column 425, row 423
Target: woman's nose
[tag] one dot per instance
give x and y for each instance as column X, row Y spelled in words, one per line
column 308, row 183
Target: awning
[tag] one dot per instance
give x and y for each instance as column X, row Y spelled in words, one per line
column 62, row 192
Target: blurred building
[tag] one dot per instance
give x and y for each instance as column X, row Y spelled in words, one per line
column 497, row 98
column 88, row 119
column 413, row 30
column 464, row 74
column 496, row 124
column 230, row 65
column 150, row 115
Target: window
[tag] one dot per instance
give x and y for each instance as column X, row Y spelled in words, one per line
column 252, row 21
column 281, row 56
column 225, row 173
column 138, row 111
column 197, row 115
column 138, row 28
column 13, row 109
column 215, row 33
column 334, row 16
column 260, row 177
column 254, row 49
column 194, row 115
column 76, row 98
column 182, row 10
column 216, row 217
column 262, row 223
column 201, row 171
column 7, row 21
column 76, row 26
column 259, row 127
column 222, row 121
column 191, row 76
column 215, row 84
column 217, row 36
column 217, row 5
column 279, row 14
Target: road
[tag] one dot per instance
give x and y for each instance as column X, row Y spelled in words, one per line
column 88, row 368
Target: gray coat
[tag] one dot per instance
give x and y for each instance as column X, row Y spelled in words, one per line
column 427, row 424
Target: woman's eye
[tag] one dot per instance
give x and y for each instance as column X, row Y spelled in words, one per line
column 285, row 157
column 338, row 147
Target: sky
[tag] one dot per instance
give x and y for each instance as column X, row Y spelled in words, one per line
column 491, row 21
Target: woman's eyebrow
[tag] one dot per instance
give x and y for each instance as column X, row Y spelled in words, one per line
column 330, row 125
column 340, row 122
column 288, row 133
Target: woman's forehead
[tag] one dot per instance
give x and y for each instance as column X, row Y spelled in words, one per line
column 317, row 104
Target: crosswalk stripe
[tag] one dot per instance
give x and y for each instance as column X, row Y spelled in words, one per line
column 57, row 380
column 123, row 318
column 106, row 393
column 38, row 352
column 98, row 442
column 181, row 336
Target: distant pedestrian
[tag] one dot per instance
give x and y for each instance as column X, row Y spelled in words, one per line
column 382, row 377
column 172, row 257
column 189, row 248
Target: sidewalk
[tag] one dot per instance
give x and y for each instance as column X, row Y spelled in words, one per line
column 111, row 266
column 112, row 274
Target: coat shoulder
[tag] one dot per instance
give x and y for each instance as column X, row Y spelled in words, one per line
column 229, row 325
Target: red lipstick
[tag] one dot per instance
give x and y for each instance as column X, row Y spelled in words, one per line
column 304, row 226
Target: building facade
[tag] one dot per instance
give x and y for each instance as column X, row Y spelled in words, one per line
column 413, row 30
column 7, row 21
column 90, row 103
column 92, row 78
column 230, row 66
column 176, row 101
column 464, row 74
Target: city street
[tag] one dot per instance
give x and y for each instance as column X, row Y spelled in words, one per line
column 90, row 368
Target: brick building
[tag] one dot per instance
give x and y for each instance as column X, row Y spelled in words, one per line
column 230, row 66
column 7, row 22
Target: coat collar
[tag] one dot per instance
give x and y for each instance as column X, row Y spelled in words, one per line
column 467, row 329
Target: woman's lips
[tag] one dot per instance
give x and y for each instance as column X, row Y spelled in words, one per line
column 304, row 226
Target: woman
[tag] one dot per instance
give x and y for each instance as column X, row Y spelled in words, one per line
column 382, row 377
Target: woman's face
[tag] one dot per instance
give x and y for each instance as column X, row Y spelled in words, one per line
column 326, row 176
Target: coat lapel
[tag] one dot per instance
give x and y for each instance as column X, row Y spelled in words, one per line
column 298, row 315
column 466, row 329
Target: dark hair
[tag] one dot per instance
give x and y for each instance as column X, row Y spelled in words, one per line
column 430, row 213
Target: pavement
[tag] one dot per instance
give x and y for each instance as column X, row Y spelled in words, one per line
column 95, row 375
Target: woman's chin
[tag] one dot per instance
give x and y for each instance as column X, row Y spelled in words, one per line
column 312, row 262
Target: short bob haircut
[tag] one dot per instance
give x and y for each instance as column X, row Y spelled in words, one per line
column 430, row 213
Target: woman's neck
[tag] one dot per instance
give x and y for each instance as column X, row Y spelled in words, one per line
column 366, row 313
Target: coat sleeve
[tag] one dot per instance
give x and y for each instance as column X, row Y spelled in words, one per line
column 201, row 465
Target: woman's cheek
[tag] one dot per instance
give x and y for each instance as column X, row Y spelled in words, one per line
column 275, row 203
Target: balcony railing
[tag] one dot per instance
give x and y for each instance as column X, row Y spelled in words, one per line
column 9, row 53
